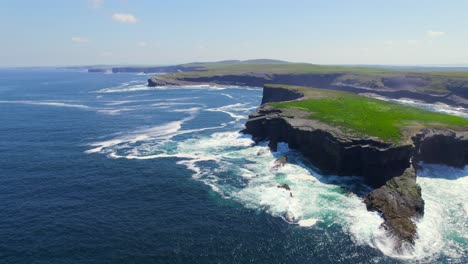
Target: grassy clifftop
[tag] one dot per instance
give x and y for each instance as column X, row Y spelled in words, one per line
column 367, row 116
column 210, row 69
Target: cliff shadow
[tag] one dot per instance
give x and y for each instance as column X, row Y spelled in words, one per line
column 348, row 184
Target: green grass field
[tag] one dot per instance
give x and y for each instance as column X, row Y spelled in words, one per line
column 369, row 116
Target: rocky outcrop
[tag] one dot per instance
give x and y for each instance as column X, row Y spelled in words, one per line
column 280, row 162
column 284, row 186
column 400, row 203
column 158, row 81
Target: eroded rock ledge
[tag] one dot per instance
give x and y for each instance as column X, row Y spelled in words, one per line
column 385, row 166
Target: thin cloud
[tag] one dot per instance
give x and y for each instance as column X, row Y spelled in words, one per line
column 105, row 54
column 80, row 40
column 412, row 42
column 124, row 18
column 435, row 34
column 142, row 44
column 96, row 3
column 389, row 42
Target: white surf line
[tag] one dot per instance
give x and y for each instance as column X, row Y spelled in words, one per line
column 230, row 109
column 144, row 87
column 227, row 95
column 161, row 133
column 437, row 107
column 48, row 103
column 111, row 103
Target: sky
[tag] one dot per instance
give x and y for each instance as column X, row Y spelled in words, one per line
column 161, row 32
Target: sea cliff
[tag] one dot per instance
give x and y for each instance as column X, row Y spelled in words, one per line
column 388, row 166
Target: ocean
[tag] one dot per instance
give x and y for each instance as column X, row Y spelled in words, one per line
column 100, row 168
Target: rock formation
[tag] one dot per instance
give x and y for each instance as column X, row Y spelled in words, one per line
column 400, row 203
column 284, row 186
column 280, row 162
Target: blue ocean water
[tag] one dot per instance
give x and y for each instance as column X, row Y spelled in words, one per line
column 99, row 168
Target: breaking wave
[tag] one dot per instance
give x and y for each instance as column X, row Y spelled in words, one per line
column 125, row 88
column 437, row 107
column 48, row 103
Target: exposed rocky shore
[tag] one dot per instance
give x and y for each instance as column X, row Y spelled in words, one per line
column 388, row 167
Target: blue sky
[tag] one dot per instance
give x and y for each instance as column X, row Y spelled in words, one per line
column 79, row 32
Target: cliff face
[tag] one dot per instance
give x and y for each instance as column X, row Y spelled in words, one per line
column 271, row 94
column 331, row 150
column 441, row 147
column 385, row 166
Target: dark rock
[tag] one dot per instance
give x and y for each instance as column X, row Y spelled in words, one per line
column 399, row 201
column 441, row 147
column 284, row 186
column 273, row 145
column 159, row 81
column 99, row 70
column 261, row 152
column 280, row 162
column 271, row 94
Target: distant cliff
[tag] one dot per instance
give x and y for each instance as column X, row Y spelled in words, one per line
column 159, row 69
column 452, row 91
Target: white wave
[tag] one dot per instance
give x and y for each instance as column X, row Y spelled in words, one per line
column 115, row 111
column 187, row 110
column 177, row 104
column 443, row 229
column 227, row 95
column 437, row 107
column 160, row 133
column 307, row 222
column 125, row 89
column 47, row 103
column 143, row 87
column 236, row 111
column 121, row 102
